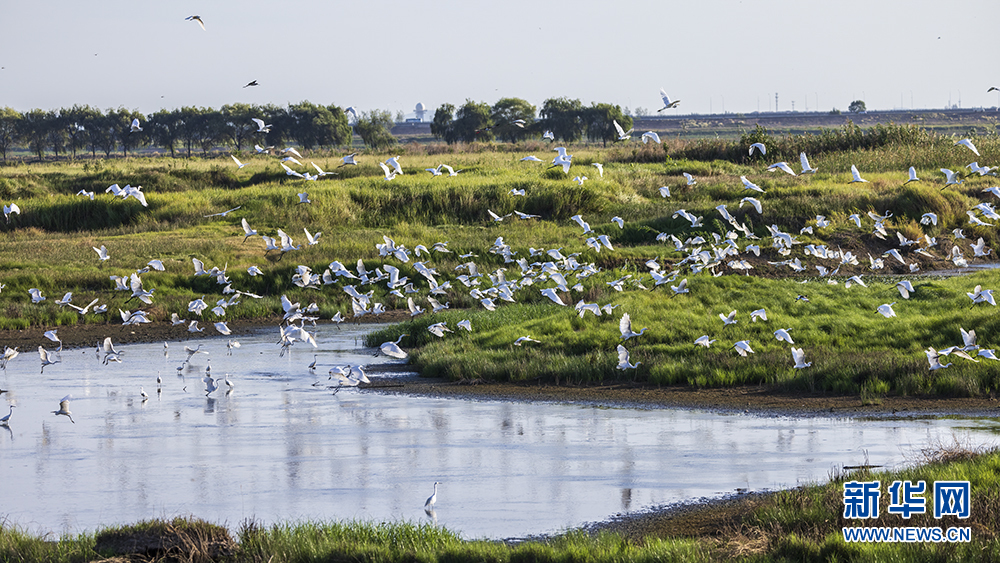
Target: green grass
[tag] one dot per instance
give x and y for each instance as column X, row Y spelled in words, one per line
column 853, row 350
column 803, row 524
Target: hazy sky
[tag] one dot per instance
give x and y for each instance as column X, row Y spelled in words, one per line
column 713, row 55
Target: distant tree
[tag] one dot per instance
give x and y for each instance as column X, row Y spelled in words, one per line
column 473, row 122
column 100, row 134
column 564, row 118
column 10, row 125
column 237, row 125
column 400, row 116
column 600, row 119
column 442, row 126
column 857, row 106
column 641, row 112
column 120, row 122
column 280, row 121
column 212, row 130
column 508, row 110
column 33, row 131
column 165, row 129
column 374, row 127
column 55, row 131
column 338, row 129
column 188, row 127
column 75, row 122
column 315, row 125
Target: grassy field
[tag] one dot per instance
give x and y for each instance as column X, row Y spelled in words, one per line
column 853, row 349
column 804, row 524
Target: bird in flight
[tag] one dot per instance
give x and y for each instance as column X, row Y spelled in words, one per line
column 252, row 83
column 667, row 103
column 197, row 19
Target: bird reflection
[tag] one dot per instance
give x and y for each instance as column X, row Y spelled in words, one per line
column 432, row 515
column 210, row 405
column 626, row 499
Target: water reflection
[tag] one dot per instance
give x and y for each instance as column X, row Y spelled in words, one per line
column 281, row 447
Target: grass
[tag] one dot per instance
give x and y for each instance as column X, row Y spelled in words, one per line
column 853, row 350
column 803, row 524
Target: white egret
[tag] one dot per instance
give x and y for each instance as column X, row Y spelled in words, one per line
column 134, row 128
column 650, row 136
column 743, row 348
column 967, row 144
column 856, row 175
column 46, row 359
column 951, row 177
column 438, row 329
column 465, row 324
column 758, row 314
column 433, row 498
column 392, row 349
column 222, row 328
column 690, row 179
column 664, row 191
column 886, row 310
column 806, row 169
column 933, row 359
column 5, row 421
column 729, row 319
column 9, row 210
column 758, row 146
column 905, row 288
column 600, row 167
column 64, row 408
column 704, row 341
column 210, row 385
column 551, row 294
column 783, row 166
column 239, row 164
column 913, row 176
column 748, row 185
column 143, row 394
column 618, row 221
column 680, row 288
column 349, row 160
column 752, row 201
column 524, row 339
column 799, row 357
column 623, row 135
column 667, row 102
column 102, row 252
column 623, row 363
column 531, row 158
column 625, row 327
column 782, row 334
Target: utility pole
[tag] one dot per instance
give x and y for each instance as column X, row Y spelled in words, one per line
column 775, row 102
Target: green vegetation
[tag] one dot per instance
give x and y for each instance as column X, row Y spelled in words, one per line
column 853, row 350
column 803, row 524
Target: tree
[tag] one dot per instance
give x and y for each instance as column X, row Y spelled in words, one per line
column 508, row 110
column 600, row 119
column 165, row 128
column 188, row 129
column 857, row 106
column 237, row 124
column 563, row 117
column 473, row 122
column 75, row 122
column 33, row 130
column 442, row 125
column 374, row 127
column 315, row 125
column 100, row 135
column 10, row 126
column 120, row 122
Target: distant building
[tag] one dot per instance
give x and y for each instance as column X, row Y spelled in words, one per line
column 419, row 111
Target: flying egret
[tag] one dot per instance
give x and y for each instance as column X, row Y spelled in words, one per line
column 531, row 158
column 618, row 221
column 210, row 385
column 856, row 175
column 783, row 166
column 524, row 339
column 680, row 288
column 782, row 334
column 758, row 146
column 664, row 191
column 625, row 327
column 667, row 102
column 729, row 319
column 690, row 179
column 394, row 163
column 600, row 167
column 304, row 197
column 392, row 349
column 905, row 288
column 46, row 359
column 748, row 185
column 913, row 176
column 743, row 348
column 951, row 177
column 239, row 164
column 433, row 498
column 933, row 359
column 623, row 363
column 758, row 314
column 197, row 19
column 349, row 160
column 465, row 324
column 967, row 144
column 704, row 341
column 886, row 310
column 806, row 169
column 799, row 357
column 134, row 128
column 623, row 135
column 754, row 202
column 64, row 408
column 551, row 294
column 650, row 136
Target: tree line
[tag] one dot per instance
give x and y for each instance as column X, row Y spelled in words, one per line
column 513, row 120
column 69, row 131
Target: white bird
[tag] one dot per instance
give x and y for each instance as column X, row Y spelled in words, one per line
column 210, row 385
column 758, row 146
column 551, row 294
column 102, row 252
column 856, row 175
column 665, row 191
column 905, row 288
column 433, row 498
column 618, row 221
column 222, row 328
column 623, row 363
column 64, row 408
column 680, row 288
column 36, row 295
column 623, row 135
column 394, row 163
column 531, row 158
column 743, row 348
column 913, row 176
column 135, row 126
column 968, row 144
column 5, row 421
column 748, row 185
column 392, row 349
column 625, row 327
column 349, row 160
column 261, row 126
column 143, row 394
column 782, row 334
column 650, row 136
column 9, row 210
column 783, row 166
column 758, row 314
column 524, row 339
column 886, row 310
column 465, row 324
column 690, row 179
column 729, row 319
column 239, row 164
column 951, row 177
column 46, row 359
column 933, row 359
column 600, row 167
column 806, row 169
column 929, row 219
column 752, row 201
column 799, row 357
column 86, row 193
column 704, row 341
column 438, row 329
column 549, row 135
column 667, row 102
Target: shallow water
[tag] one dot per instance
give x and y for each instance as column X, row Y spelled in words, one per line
column 280, row 449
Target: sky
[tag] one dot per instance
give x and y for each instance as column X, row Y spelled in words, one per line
column 713, row 55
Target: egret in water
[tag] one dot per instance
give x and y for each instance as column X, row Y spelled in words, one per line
column 143, row 394
column 6, row 419
column 433, row 498
column 210, row 385
column 313, row 364
column 64, row 409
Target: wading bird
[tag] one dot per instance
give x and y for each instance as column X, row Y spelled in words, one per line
column 64, row 408
column 433, row 498
column 392, row 349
